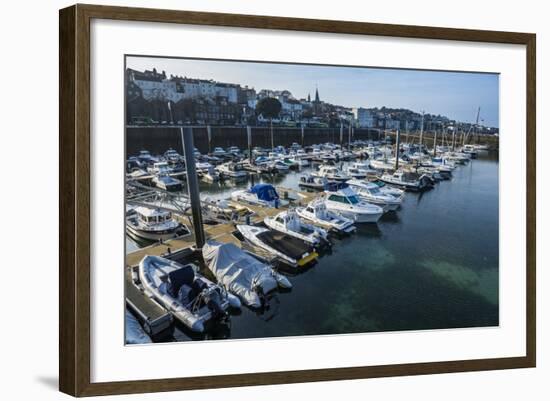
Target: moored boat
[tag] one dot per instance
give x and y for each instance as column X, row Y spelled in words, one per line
column 332, row 173
column 167, row 183
column 180, row 289
column 241, row 273
column 259, row 194
column 408, row 181
column 153, row 224
column 314, row 182
column 289, row 222
column 344, row 201
column 232, row 170
column 289, row 250
column 317, row 212
column 371, row 193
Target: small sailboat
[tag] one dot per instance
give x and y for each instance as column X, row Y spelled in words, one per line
column 241, row 273
column 317, row 212
column 289, row 222
column 190, row 297
column 289, row 250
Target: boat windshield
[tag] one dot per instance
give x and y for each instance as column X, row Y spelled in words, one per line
column 374, row 190
column 353, row 200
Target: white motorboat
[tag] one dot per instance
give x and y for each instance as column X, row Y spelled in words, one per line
column 316, row 211
column 332, row 173
column 381, row 164
column 290, row 162
column 314, row 182
column 407, row 180
column 167, row 183
column 388, row 189
column 279, row 166
column 457, row 157
column 241, row 273
column 287, row 249
column 345, row 202
column 211, row 175
column 153, row 224
column 371, row 193
column 470, row 150
column 145, row 156
column 219, row 152
column 364, row 167
column 232, row 170
column 289, row 222
column 160, row 168
column 355, row 173
column 201, row 166
column 172, row 156
column 190, row 297
column 259, row 194
column 137, row 174
column 234, row 151
column 299, row 161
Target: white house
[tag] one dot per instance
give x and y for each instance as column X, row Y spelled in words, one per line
column 363, row 117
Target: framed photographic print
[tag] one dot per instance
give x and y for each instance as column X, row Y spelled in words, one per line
column 250, row 200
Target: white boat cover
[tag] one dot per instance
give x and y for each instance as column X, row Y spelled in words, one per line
column 241, row 273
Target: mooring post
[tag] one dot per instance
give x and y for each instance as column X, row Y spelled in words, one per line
column 435, row 142
column 193, row 185
column 249, row 141
column 209, row 133
column 455, row 131
column 397, row 144
column 349, row 137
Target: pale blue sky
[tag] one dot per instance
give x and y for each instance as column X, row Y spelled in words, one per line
column 455, row 95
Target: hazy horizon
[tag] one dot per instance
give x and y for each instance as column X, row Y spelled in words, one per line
column 456, row 95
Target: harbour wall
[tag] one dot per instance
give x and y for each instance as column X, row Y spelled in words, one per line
column 158, row 139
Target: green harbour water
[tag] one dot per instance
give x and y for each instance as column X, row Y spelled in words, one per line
column 433, row 264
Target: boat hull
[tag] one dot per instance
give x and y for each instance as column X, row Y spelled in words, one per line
column 152, row 235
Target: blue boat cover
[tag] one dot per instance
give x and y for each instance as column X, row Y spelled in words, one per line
column 265, row 192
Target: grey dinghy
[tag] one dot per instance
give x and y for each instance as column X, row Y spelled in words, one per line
column 242, row 274
column 190, row 297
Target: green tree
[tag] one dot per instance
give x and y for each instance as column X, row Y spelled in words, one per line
column 269, row 107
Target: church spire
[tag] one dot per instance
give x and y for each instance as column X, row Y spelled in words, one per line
column 309, row 98
column 317, row 100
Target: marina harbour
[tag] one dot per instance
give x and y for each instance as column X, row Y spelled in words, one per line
column 400, row 236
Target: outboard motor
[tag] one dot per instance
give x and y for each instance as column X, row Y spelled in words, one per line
column 213, row 300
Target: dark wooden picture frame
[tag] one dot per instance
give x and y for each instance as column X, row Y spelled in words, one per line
column 74, row 202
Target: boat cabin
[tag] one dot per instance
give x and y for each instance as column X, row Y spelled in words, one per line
column 344, row 195
column 151, row 216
